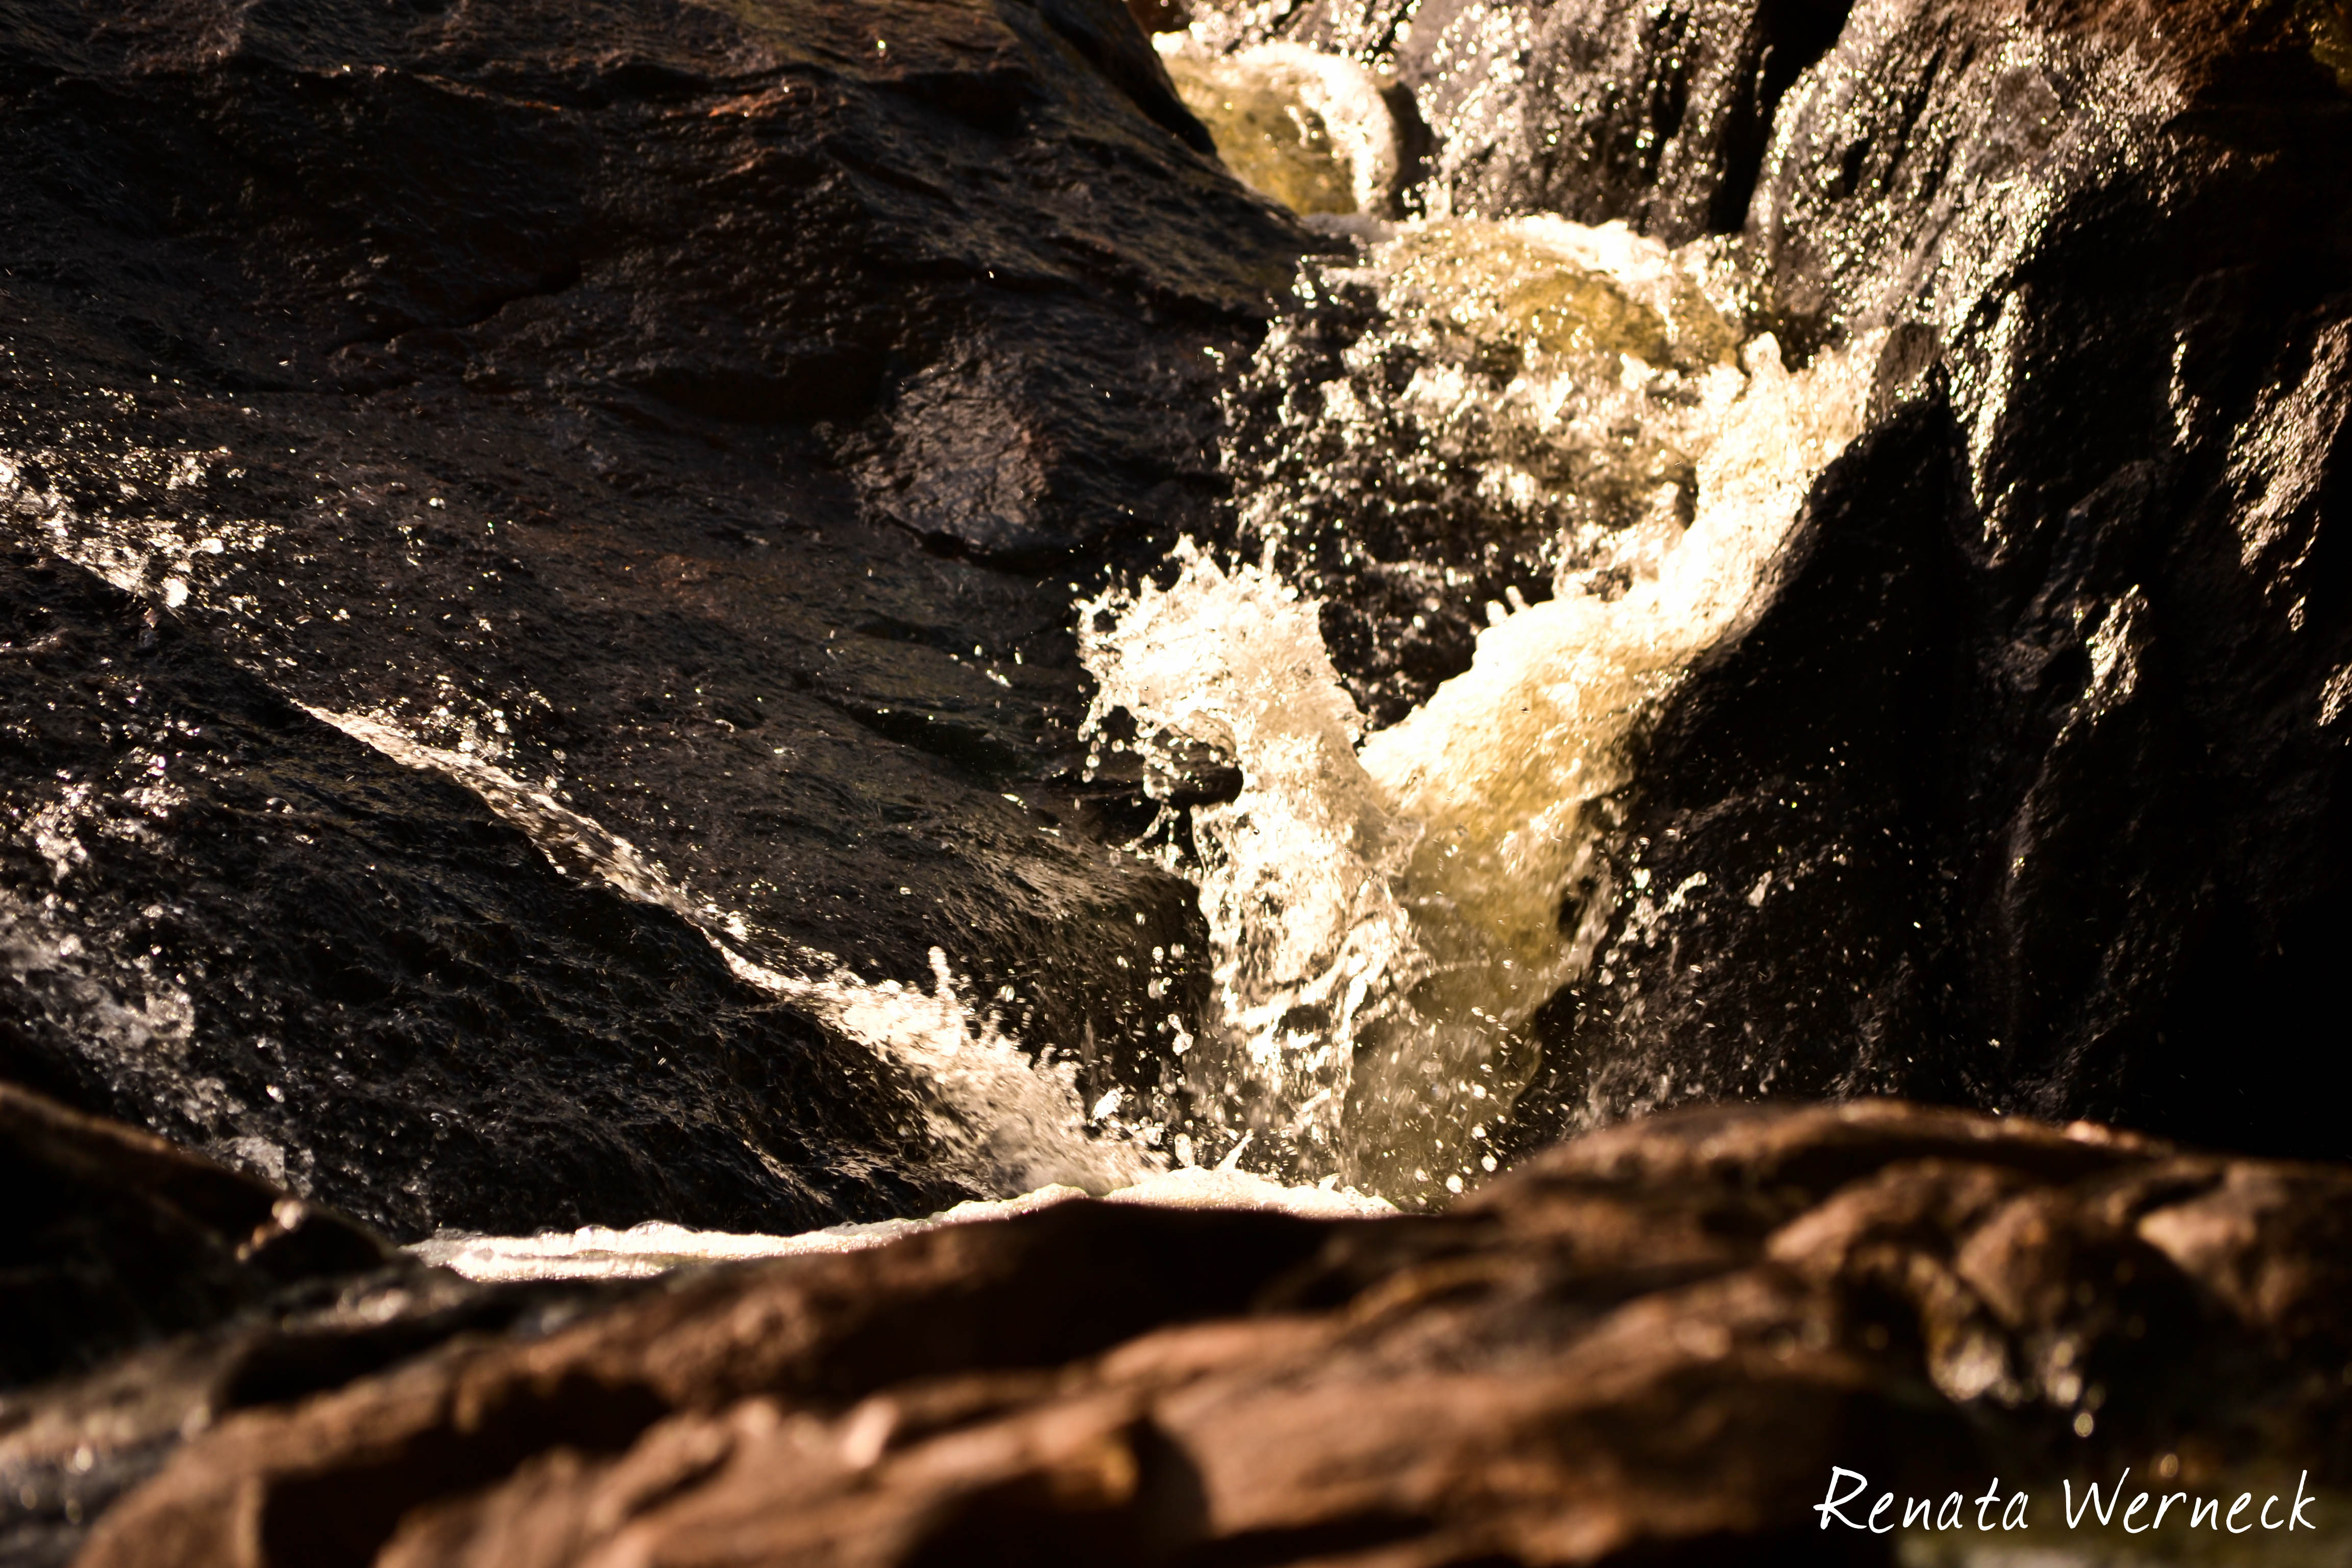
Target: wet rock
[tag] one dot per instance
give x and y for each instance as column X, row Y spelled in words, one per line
column 1789, row 794
column 117, row 1237
column 1658, row 114
column 232, row 921
column 2027, row 789
column 1650, row 1344
column 698, row 414
column 71, row 1446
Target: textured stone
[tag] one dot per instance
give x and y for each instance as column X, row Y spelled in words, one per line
column 2027, row 790
column 279, row 945
column 698, row 411
column 1649, row 1345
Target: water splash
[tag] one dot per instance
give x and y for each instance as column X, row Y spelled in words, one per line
column 1298, row 874
column 1387, row 910
column 157, row 535
column 82, row 971
column 1308, row 129
column 126, row 1018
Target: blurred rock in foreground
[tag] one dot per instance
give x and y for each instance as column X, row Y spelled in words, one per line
column 116, row 1237
column 1650, row 1344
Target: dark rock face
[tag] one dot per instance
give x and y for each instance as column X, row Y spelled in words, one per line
column 1810, row 758
column 243, row 927
column 1648, row 1345
column 698, row 411
column 116, row 1237
column 2027, row 790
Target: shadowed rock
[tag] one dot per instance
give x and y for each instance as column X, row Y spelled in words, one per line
column 149, row 1291
column 116, row 1238
column 370, row 986
column 2027, row 788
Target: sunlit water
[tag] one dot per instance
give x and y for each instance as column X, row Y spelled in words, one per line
column 1309, row 129
column 598, row 1252
column 1387, row 907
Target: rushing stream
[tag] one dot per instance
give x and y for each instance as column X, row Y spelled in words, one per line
column 1387, row 908
column 1388, row 905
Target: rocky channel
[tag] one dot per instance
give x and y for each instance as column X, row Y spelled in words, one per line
column 771, row 616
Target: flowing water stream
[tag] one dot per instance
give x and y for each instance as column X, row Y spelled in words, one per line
column 1387, row 903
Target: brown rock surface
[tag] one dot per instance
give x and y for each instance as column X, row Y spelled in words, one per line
column 1650, row 1344
column 115, row 1236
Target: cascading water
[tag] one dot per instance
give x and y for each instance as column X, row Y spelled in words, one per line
column 1387, row 909
column 1306, row 128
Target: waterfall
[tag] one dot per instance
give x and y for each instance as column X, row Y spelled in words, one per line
column 1388, row 904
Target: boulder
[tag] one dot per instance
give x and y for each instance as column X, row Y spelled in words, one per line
column 2027, row 788
column 234, row 922
column 150, row 1291
column 679, row 424
column 1652, row 1344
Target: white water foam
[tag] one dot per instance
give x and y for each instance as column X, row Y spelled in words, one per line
column 1298, row 874
column 595, row 1252
column 1385, row 914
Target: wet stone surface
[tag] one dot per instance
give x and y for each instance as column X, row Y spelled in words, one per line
column 2027, row 788
column 238, row 924
column 700, row 413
